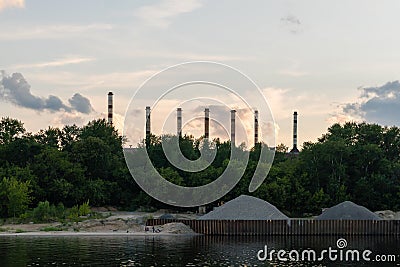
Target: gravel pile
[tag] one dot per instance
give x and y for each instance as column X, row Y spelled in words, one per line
column 175, row 228
column 245, row 208
column 388, row 215
column 348, row 211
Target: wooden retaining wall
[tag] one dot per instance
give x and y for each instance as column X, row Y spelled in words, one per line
column 291, row 227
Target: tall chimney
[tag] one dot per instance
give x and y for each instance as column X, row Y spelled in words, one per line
column 147, row 122
column 233, row 126
column 179, row 121
column 255, row 127
column 110, row 107
column 294, row 150
column 207, row 123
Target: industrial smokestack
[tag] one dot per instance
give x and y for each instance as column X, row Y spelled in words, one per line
column 147, row 122
column 233, row 113
column 110, row 107
column 207, row 123
column 294, row 150
column 179, row 121
column 255, row 127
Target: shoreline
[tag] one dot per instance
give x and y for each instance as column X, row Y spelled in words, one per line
column 100, row 234
column 117, row 224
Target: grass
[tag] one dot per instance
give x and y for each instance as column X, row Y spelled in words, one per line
column 2, row 229
column 50, row 229
column 18, row 231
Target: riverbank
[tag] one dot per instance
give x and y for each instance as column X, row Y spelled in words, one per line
column 113, row 223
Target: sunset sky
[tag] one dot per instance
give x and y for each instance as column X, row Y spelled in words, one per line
column 332, row 61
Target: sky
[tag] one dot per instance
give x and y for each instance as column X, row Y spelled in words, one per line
column 331, row 61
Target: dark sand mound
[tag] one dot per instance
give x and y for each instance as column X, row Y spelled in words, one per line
column 348, row 210
column 245, row 208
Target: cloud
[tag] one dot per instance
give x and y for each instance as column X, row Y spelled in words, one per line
column 380, row 104
column 80, row 103
column 68, row 119
column 16, row 90
column 161, row 14
column 293, row 73
column 50, row 32
column 11, row 4
column 313, row 110
column 106, row 80
column 182, row 55
column 54, row 63
column 292, row 23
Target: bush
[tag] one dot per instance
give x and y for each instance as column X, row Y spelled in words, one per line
column 84, row 209
column 14, row 196
column 45, row 212
column 50, row 229
column 42, row 213
column 76, row 211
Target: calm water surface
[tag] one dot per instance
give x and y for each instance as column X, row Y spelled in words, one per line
column 176, row 250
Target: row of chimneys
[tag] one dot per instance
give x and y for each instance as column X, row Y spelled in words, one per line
column 207, row 123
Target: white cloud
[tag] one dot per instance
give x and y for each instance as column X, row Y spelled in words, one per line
column 161, row 14
column 54, row 63
column 293, row 69
column 312, row 108
column 185, row 55
column 62, row 119
column 50, row 32
column 11, row 3
column 109, row 80
column 293, row 73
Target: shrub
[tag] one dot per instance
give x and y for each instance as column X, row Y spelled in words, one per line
column 14, row 196
column 84, row 209
column 76, row 211
column 45, row 212
column 50, row 229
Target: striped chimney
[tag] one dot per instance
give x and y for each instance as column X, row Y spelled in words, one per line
column 179, row 121
column 147, row 122
column 233, row 113
column 295, row 150
column 255, row 127
column 110, row 107
column 207, row 123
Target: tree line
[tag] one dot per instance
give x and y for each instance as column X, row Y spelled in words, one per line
column 70, row 166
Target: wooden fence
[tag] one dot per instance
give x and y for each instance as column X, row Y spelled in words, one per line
column 288, row 227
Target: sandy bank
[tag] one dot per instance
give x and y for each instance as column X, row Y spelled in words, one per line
column 119, row 223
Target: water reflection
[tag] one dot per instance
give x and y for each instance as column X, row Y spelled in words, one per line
column 175, row 250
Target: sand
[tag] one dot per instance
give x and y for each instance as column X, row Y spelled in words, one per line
column 119, row 223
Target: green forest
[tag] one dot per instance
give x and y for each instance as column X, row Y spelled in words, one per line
column 75, row 165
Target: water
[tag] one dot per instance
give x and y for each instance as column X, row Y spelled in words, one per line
column 175, row 250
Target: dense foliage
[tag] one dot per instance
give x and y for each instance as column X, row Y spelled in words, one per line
column 72, row 165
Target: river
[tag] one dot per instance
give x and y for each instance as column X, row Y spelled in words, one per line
column 183, row 250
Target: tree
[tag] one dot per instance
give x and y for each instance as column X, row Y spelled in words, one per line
column 50, row 137
column 58, row 179
column 10, row 129
column 15, row 195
